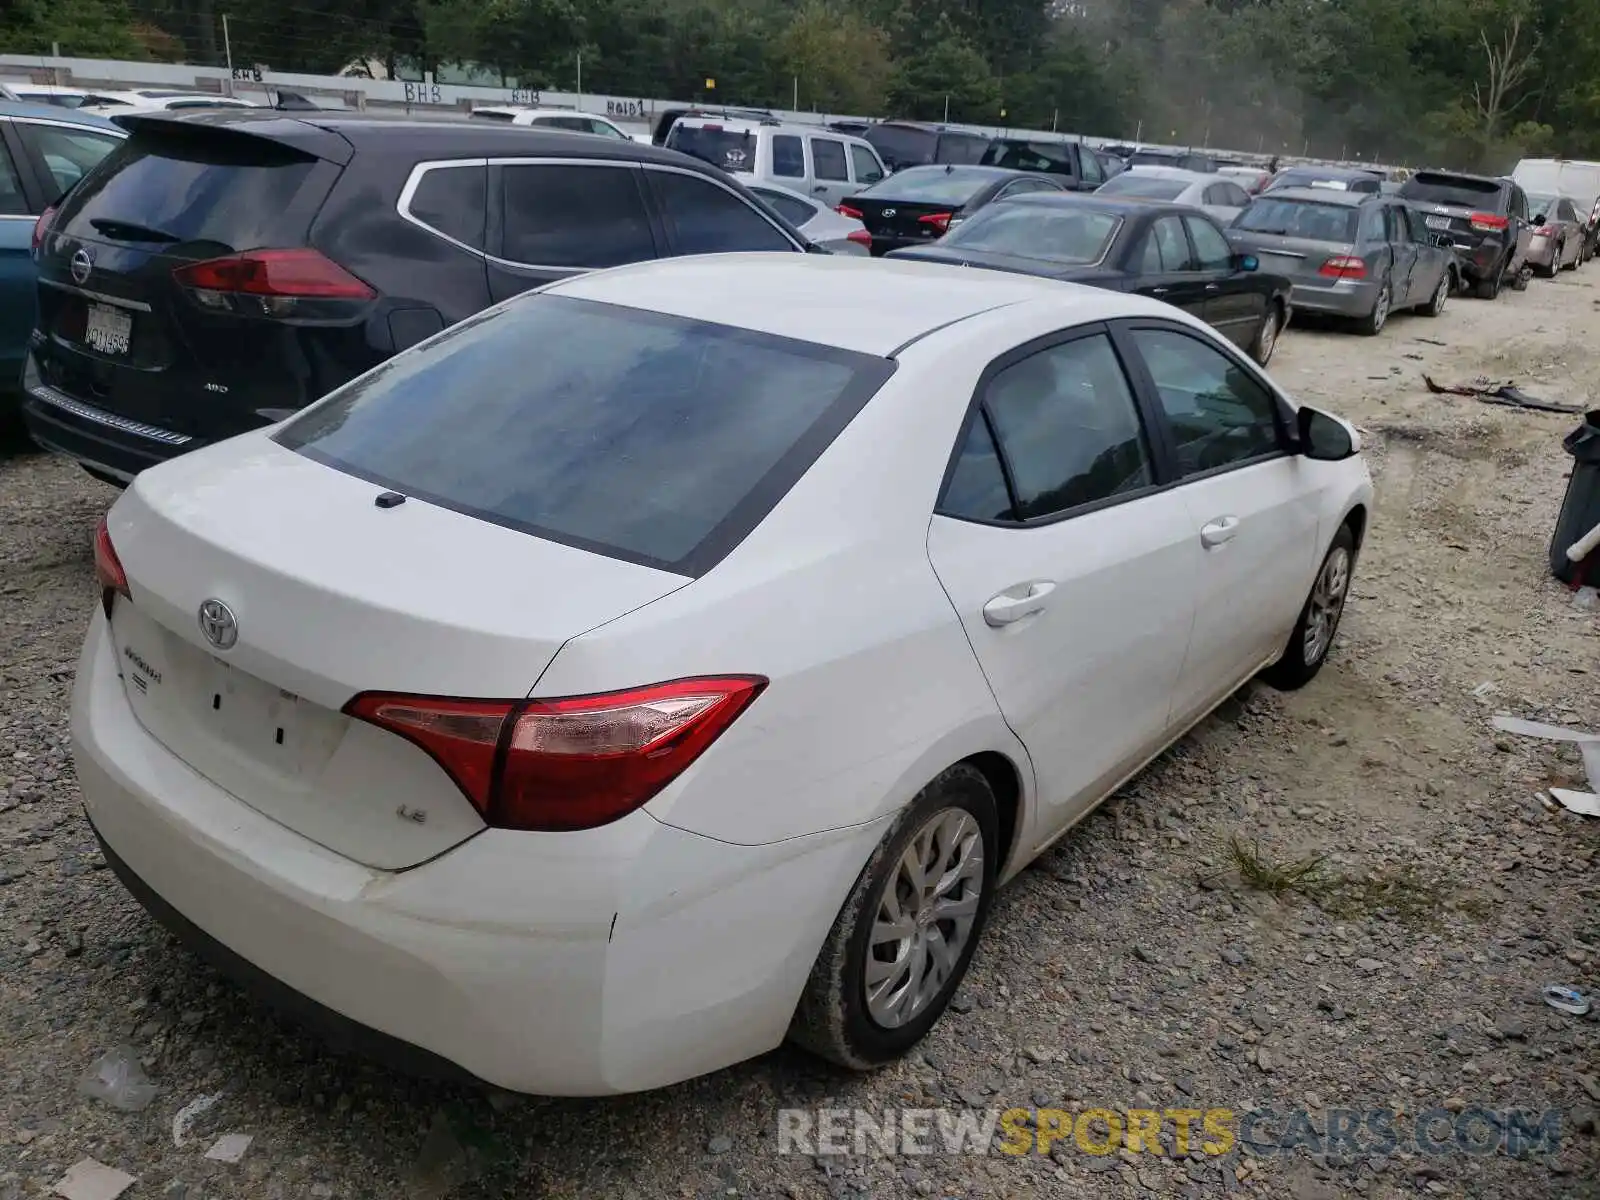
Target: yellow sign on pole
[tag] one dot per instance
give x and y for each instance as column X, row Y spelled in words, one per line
column 710, row 84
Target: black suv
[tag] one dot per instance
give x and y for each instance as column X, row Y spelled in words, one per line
column 909, row 144
column 1486, row 218
column 217, row 272
column 1076, row 167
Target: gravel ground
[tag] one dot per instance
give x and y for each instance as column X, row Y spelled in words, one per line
column 1129, row 968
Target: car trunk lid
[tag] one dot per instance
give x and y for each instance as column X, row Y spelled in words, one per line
column 119, row 330
column 901, row 219
column 1298, row 258
column 329, row 595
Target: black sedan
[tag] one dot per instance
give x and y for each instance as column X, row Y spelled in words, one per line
column 922, row 204
column 1169, row 251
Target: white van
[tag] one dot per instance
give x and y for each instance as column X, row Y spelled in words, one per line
column 812, row 160
column 1573, row 178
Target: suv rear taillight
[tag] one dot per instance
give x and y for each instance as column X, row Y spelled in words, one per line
column 1489, row 222
column 42, row 227
column 108, row 568
column 1344, row 266
column 274, row 283
column 565, row 764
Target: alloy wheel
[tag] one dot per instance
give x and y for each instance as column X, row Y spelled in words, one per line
column 924, row 918
column 1327, row 603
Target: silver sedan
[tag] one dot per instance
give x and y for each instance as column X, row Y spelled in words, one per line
column 831, row 230
column 1219, row 195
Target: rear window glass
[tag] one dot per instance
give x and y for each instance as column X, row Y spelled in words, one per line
column 1299, row 218
column 1154, row 158
column 1053, row 157
column 233, row 191
column 931, row 185
column 1036, row 231
column 899, row 146
column 1452, row 189
column 961, row 148
column 729, row 149
column 655, row 439
column 1148, row 187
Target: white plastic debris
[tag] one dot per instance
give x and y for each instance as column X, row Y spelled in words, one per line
column 1567, row 999
column 186, row 1115
column 1585, row 804
column 91, row 1180
column 229, row 1148
column 1587, row 599
column 117, row 1078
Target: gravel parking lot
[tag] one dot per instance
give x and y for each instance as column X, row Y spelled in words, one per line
column 1133, row 967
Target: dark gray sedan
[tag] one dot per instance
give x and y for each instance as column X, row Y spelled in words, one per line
column 1349, row 254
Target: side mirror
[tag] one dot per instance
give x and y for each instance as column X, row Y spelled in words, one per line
column 1324, row 438
column 1538, row 220
column 1248, row 262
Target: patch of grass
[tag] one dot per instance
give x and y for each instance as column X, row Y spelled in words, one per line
column 1406, row 894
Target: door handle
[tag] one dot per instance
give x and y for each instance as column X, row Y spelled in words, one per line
column 1215, row 533
column 1160, row 291
column 1006, row 608
column 820, row 189
column 1211, row 287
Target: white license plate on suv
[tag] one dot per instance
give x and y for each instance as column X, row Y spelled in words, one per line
column 108, row 329
column 1438, row 222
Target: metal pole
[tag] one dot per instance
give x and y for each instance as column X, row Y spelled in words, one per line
column 227, row 48
column 947, row 108
column 795, row 106
column 1054, row 116
column 1138, row 132
column 580, row 78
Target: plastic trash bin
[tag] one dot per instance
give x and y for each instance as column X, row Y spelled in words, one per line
column 1580, row 509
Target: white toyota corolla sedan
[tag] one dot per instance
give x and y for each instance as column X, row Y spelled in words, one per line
column 678, row 658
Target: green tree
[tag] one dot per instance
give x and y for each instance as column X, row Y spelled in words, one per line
column 945, row 75
column 839, row 62
column 88, row 28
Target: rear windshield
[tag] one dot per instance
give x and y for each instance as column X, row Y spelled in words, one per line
column 1052, row 157
column 1053, row 234
column 1148, row 187
column 1154, row 158
column 655, row 439
column 967, row 148
column 1339, row 183
column 900, row 146
column 931, row 185
column 1541, row 204
column 231, row 190
column 727, row 149
column 1299, row 218
column 1451, row 189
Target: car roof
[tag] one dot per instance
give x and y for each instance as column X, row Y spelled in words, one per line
column 453, row 138
column 1331, row 172
column 1335, row 196
column 1446, row 173
column 57, row 115
column 869, row 305
column 1154, row 171
column 1124, row 205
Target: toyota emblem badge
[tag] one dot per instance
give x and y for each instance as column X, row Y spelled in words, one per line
column 218, row 624
column 82, row 264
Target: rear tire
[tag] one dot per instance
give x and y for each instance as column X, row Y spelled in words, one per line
column 1576, row 259
column 1441, row 295
column 1372, row 324
column 1488, row 289
column 1555, row 264
column 1319, row 618
column 1266, row 339
column 861, row 1009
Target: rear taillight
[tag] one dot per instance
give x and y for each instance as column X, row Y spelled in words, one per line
column 42, row 227
column 844, row 210
column 1489, row 223
column 274, row 283
column 108, row 568
column 940, row 221
column 565, row 764
column 860, row 237
column 1344, row 266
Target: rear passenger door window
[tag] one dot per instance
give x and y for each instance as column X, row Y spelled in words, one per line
column 1218, row 414
column 65, row 154
column 451, row 201
column 828, row 157
column 788, row 156
column 1171, row 244
column 1211, row 248
column 12, row 201
column 1089, row 167
column 1061, row 429
column 573, row 217
column 702, row 217
column 866, row 167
